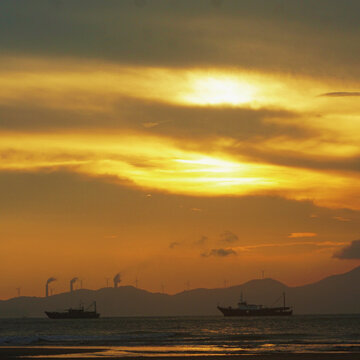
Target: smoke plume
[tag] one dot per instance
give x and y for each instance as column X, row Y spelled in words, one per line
column 117, row 279
column 72, row 282
column 49, row 280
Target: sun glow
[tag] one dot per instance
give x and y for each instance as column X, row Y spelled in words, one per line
column 97, row 87
column 153, row 163
column 219, row 90
column 211, row 165
column 221, row 165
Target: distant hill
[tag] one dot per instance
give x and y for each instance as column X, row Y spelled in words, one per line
column 337, row 294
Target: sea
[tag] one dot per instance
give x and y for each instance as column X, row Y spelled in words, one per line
column 185, row 336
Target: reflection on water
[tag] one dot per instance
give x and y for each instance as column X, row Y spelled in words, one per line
column 175, row 336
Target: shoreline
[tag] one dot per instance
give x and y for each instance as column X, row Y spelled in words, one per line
column 62, row 352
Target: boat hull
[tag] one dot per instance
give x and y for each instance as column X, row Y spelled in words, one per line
column 72, row 315
column 281, row 311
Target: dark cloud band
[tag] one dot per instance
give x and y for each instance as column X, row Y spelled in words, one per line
column 188, row 33
column 219, row 252
column 341, row 94
column 351, row 251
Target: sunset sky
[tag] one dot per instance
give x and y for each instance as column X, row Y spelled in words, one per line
column 180, row 143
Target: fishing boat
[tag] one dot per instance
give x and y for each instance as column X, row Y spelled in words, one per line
column 245, row 309
column 79, row 313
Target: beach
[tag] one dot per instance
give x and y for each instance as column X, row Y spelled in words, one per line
column 109, row 353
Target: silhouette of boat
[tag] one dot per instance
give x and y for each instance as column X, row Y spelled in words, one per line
column 245, row 309
column 79, row 313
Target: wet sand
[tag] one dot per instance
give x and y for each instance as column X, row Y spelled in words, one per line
column 91, row 353
column 20, row 352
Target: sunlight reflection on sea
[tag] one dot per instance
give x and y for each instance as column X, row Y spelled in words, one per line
column 187, row 336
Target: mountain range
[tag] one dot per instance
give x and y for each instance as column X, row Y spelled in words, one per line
column 337, row 294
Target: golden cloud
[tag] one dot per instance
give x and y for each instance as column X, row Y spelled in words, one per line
column 159, row 164
column 164, row 164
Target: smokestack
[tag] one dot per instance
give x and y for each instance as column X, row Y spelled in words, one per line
column 117, row 279
column 49, row 280
column 72, row 282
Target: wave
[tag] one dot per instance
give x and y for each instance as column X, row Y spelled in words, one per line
column 137, row 337
column 18, row 340
column 182, row 335
column 172, row 338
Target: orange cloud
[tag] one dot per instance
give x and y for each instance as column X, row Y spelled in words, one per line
column 302, row 235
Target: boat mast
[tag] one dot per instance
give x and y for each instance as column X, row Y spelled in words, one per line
column 284, row 299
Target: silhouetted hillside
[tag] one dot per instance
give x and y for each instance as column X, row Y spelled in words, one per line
column 334, row 294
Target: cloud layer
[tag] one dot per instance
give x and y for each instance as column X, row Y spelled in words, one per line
column 256, row 34
column 219, row 252
column 140, row 132
column 351, row 251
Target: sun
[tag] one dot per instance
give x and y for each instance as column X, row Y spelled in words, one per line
column 219, row 90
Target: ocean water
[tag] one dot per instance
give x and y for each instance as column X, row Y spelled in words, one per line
column 214, row 335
